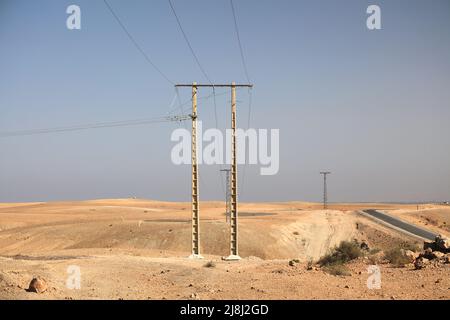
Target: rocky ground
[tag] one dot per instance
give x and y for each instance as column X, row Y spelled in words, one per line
column 120, row 276
column 135, row 249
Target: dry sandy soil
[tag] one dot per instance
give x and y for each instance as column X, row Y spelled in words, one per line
column 137, row 249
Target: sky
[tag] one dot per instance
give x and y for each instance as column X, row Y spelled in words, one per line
column 371, row 106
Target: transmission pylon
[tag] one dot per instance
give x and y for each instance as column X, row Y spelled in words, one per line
column 325, row 195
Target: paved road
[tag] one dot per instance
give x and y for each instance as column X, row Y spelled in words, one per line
column 401, row 224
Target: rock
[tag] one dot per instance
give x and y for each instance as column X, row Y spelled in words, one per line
column 420, row 263
column 411, row 255
column 437, row 255
column 427, row 254
column 38, row 285
column 195, row 296
column 447, row 258
column 377, row 257
column 364, row 246
column 293, row 262
column 430, row 245
column 431, row 255
column 442, row 243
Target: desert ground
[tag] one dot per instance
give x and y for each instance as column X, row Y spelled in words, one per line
column 138, row 249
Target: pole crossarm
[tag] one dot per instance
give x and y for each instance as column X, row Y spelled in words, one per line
column 247, row 85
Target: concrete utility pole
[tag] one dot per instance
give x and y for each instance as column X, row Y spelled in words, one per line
column 234, row 214
column 195, row 208
column 233, row 190
column 227, row 195
column 325, row 196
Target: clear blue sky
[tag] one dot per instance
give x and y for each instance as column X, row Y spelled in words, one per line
column 373, row 107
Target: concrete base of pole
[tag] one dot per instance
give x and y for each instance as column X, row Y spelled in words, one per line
column 232, row 257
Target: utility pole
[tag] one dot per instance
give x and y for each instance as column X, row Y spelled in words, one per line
column 195, row 209
column 227, row 195
column 234, row 213
column 233, row 190
column 325, row 196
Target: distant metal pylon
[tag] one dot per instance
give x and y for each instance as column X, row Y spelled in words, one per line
column 325, row 195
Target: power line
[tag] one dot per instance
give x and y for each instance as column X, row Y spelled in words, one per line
column 215, row 107
column 244, row 64
column 180, row 104
column 187, row 41
column 206, row 97
column 125, row 123
column 180, row 108
column 217, row 127
column 239, row 42
column 138, row 47
column 198, row 64
column 248, row 127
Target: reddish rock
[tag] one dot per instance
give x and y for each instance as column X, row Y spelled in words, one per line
column 38, row 285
